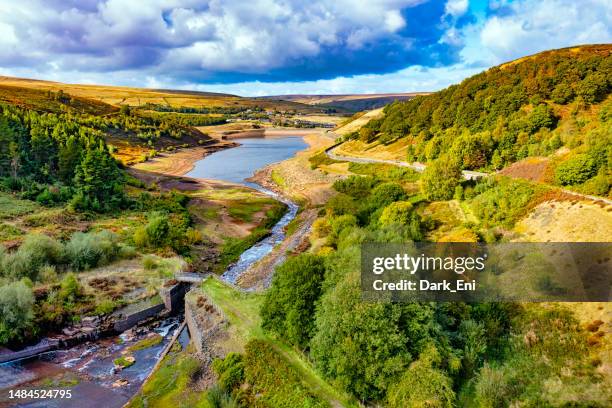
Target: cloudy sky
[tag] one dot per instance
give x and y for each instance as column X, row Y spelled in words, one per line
column 263, row 47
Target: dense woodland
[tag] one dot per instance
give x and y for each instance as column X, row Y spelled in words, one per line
column 57, row 157
column 553, row 104
column 414, row 354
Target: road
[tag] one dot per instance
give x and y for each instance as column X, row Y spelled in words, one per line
column 420, row 167
column 467, row 174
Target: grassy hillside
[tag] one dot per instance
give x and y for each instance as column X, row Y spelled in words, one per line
column 351, row 103
column 555, row 105
column 118, row 95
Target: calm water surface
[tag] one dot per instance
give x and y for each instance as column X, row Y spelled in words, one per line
column 239, row 163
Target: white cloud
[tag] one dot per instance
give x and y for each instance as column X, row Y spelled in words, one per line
column 533, row 26
column 456, row 8
column 413, row 79
column 243, row 36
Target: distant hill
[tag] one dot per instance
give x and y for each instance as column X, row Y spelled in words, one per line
column 11, row 88
column 353, row 103
column 554, row 105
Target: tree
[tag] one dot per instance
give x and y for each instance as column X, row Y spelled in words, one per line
column 98, row 180
column 576, row 170
column 423, row 385
column 16, row 312
column 341, row 204
column 68, row 159
column 289, row 305
column 386, row 193
column 562, row 94
column 399, row 212
column 365, row 346
column 440, row 178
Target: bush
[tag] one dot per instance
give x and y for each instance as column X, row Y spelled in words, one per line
column 70, row 289
column 355, row 186
column 402, row 213
column 16, row 312
column 105, row 307
column 289, row 304
column 440, row 179
column 386, row 193
column 503, row 201
column 576, row 170
column 36, row 251
column 149, row 262
column 422, row 385
column 341, row 204
column 88, row 250
column 157, row 229
column 274, row 382
column 230, row 371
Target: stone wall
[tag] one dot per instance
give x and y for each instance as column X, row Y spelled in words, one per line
column 133, row 319
column 204, row 319
column 173, row 296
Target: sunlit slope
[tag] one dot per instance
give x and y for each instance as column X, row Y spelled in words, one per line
column 550, row 112
column 117, row 95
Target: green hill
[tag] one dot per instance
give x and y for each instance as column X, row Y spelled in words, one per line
column 555, row 104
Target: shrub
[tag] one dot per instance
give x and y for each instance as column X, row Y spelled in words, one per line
column 157, row 229
column 36, row 251
column 149, row 262
column 16, row 312
column 422, row 386
column 321, row 227
column 440, row 179
column 105, row 307
column 576, row 170
column 289, row 304
column 274, row 382
column 386, row 193
column 70, row 288
column 88, row 250
column 355, row 186
column 230, row 371
column 341, row 204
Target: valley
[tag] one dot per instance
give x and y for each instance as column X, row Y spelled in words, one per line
column 203, row 250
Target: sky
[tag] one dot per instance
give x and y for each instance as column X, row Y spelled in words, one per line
column 275, row 47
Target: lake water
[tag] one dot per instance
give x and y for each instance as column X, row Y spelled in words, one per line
column 239, row 163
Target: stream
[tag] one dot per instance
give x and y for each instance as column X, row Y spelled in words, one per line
column 237, row 165
column 88, row 369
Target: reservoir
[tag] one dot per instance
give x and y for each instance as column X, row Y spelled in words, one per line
column 239, row 163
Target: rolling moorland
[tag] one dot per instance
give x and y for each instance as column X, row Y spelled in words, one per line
column 541, row 125
column 352, row 103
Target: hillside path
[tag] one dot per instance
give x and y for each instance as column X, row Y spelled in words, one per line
column 420, row 167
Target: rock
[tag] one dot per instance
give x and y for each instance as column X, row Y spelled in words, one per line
column 89, row 321
column 69, row 331
column 122, row 382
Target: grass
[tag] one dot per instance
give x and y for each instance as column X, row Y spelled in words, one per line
column 242, row 312
column 170, row 385
column 147, row 342
column 11, row 207
column 244, row 210
column 124, row 362
column 9, row 232
column 384, row 171
column 320, row 159
column 278, row 179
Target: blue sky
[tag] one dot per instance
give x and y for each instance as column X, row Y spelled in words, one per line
column 263, row 47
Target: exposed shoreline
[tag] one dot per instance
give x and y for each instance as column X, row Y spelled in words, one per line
column 183, row 161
